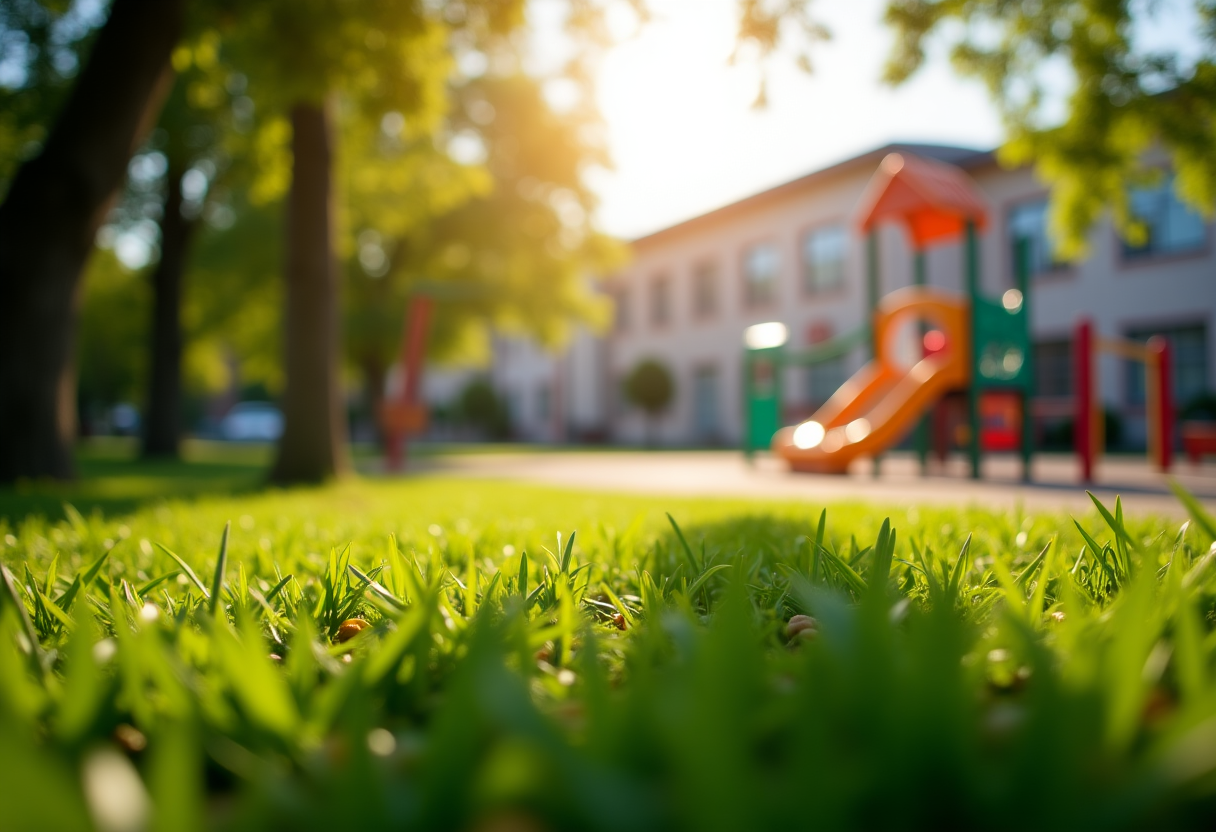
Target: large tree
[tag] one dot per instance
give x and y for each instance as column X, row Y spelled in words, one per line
column 202, row 125
column 306, row 60
column 392, row 68
column 48, row 221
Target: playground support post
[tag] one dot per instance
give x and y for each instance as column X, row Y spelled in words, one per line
column 1161, row 400
column 872, row 276
column 1021, row 253
column 922, row 427
column 749, row 452
column 971, row 269
column 1083, row 422
column 872, row 272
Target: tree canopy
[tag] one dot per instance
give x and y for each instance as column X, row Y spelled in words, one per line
column 1083, row 98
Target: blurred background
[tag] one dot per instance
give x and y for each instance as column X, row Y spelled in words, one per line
column 551, row 221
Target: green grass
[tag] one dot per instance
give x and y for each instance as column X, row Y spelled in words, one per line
column 972, row 669
column 113, row 481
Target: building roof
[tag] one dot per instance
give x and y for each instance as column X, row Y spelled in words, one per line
column 964, row 157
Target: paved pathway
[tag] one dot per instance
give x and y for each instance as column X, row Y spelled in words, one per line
column 725, row 473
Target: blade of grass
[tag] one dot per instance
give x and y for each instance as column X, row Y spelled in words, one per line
column 962, row 565
column 23, row 616
column 1097, row 550
column 81, row 580
column 221, row 563
column 705, row 576
column 850, row 576
column 884, row 551
column 194, row 579
column 277, row 588
column 1024, row 576
column 1123, row 541
column 692, row 561
column 567, row 553
column 820, row 532
column 145, row 588
column 619, row 605
column 1201, row 518
column 49, row 583
column 470, row 589
column 53, row 609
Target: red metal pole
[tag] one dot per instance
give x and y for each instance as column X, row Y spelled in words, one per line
column 412, row 358
column 1159, row 351
column 1083, row 420
column 413, row 354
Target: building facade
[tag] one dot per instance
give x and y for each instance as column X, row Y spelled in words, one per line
column 793, row 254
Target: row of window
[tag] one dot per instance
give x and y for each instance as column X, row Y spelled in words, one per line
column 823, row 269
column 1171, row 228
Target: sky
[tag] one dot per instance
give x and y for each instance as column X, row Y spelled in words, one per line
column 685, row 138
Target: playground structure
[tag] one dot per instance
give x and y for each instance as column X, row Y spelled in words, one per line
column 972, row 345
column 1158, row 399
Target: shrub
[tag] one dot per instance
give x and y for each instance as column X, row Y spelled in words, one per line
column 650, row 387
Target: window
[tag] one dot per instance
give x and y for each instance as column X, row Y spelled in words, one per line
column 705, row 397
column 1029, row 221
column 823, row 253
column 1172, row 227
column 1053, row 368
column 1188, row 363
column 760, row 264
column 621, row 302
column 704, row 291
column 824, row 379
column 660, row 301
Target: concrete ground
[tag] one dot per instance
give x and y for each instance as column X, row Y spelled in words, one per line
column 1055, row 484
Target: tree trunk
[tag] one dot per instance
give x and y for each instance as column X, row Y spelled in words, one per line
column 48, row 222
column 313, row 446
column 162, row 425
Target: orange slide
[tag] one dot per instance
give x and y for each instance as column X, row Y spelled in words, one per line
column 876, row 407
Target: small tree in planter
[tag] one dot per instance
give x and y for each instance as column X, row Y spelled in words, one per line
column 650, row 387
column 481, row 408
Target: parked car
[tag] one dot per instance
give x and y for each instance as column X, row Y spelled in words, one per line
column 252, row 421
column 125, row 419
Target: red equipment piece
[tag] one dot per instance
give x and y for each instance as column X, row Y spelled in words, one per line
column 1083, row 347
column 406, row 415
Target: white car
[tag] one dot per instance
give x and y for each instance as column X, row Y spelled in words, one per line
column 252, row 421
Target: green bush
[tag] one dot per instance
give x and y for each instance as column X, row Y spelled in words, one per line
column 481, row 408
column 650, row 387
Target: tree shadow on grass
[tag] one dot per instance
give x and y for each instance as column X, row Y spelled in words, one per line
column 113, row 479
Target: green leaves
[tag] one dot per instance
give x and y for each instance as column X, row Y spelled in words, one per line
column 1124, row 101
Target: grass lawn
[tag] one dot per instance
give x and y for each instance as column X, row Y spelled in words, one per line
column 443, row 654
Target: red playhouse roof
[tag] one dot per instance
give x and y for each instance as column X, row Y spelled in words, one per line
column 934, row 199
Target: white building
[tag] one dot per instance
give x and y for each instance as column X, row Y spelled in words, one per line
column 792, row 254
